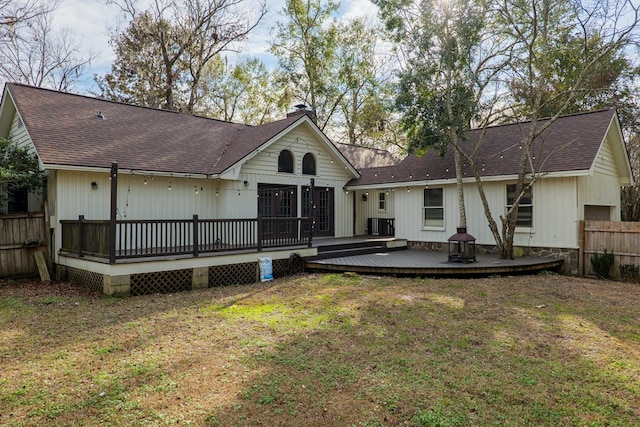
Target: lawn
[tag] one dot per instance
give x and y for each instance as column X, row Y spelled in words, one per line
column 325, row 350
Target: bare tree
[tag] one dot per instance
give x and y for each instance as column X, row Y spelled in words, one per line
column 531, row 26
column 17, row 12
column 36, row 55
column 183, row 36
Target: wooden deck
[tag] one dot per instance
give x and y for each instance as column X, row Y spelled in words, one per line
column 426, row 263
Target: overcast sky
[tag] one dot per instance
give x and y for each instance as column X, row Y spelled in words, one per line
column 91, row 21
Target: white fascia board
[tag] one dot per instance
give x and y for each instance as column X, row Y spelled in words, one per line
column 128, row 171
column 7, row 107
column 435, row 182
column 615, row 123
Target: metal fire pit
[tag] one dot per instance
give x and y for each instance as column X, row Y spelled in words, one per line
column 462, row 246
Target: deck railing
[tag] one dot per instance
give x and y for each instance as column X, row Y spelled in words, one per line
column 151, row 238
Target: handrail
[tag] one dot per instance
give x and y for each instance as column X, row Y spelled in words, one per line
column 163, row 237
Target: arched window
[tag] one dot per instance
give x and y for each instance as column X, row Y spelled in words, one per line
column 285, row 161
column 309, row 164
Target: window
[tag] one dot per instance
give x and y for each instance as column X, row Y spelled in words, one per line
column 285, row 161
column 308, row 164
column 433, row 209
column 525, row 209
column 382, row 202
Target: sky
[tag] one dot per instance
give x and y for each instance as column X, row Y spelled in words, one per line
column 91, row 21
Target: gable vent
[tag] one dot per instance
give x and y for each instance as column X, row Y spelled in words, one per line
column 20, row 123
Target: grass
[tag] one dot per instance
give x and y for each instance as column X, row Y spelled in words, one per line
column 325, row 350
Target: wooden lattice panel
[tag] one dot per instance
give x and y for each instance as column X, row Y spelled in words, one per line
column 86, row 279
column 161, row 282
column 233, row 274
column 280, row 267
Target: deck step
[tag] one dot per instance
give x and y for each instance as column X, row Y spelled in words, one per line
column 356, row 248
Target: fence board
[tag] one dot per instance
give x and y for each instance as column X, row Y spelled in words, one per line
column 620, row 237
column 20, row 236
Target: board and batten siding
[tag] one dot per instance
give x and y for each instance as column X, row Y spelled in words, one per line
column 371, row 208
column 136, row 200
column 554, row 214
column 71, row 194
column 330, row 172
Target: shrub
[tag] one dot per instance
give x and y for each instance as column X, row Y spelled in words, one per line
column 630, row 272
column 602, row 263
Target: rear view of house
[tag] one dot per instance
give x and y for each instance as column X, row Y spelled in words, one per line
column 144, row 200
column 171, row 168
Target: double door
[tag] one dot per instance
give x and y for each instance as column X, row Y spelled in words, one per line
column 281, row 201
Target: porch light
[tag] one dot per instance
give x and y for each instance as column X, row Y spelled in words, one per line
column 94, row 185
column 462, row 246
column 364, row 197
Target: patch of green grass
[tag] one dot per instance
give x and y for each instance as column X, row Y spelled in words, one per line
column 331, row 350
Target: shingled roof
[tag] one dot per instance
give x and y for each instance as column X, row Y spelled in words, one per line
column 570, row 144
column 66, row 130
column 366, row 157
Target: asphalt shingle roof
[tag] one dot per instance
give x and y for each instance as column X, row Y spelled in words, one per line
column 571, row 143
column 65, row 130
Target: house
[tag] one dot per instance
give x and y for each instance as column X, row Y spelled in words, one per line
column 169, row 167
column 137, row 198
column 582, row 162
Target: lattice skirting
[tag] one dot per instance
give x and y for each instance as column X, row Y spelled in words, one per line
column 233, row 274
column 280, row 267
column 84, row 278
column 161, row 282
column 177, row 280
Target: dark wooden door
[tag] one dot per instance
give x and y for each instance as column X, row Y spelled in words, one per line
column 277, row 201
column 324, row 214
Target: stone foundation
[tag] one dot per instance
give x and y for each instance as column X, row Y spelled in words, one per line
column 570, row 256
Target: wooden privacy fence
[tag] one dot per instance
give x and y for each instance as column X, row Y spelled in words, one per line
column 621, row 238
column 20, row 236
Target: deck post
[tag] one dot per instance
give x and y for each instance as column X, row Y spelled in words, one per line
column 312, row 210
column 113, row 214
column 80, row 236
column 581, row 243
column 259, row 231
column 195, row 236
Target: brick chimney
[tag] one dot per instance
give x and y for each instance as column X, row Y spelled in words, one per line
column 301, row 109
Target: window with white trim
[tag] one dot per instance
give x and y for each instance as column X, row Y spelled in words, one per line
column 433, row 208
column 525, row 208
column 382, row 202
column 285, row 161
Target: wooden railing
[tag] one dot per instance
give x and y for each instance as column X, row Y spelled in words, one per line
column 381, row 226
column 150, row 238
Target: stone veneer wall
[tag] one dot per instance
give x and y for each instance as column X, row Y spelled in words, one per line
column 570, row 256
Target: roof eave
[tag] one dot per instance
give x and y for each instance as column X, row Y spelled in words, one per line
column 468, row 180
column 75, row 168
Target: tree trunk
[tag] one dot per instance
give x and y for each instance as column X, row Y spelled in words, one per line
column 462, row 211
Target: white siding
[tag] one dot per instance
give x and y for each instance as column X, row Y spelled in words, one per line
column 263, row 169
column 75, row 196
column 18, row 134
column 605, row 162
column 603, row 187
column 554, row 214
column 370, row 208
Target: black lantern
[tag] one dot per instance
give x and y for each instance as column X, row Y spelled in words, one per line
column 462, row 246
